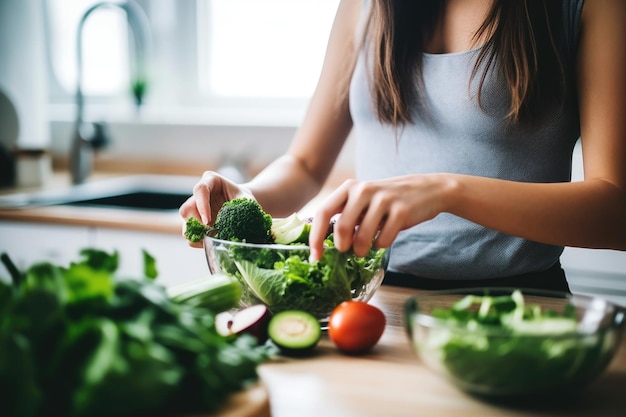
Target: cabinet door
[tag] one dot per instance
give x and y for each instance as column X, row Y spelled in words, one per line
column 596, row 271
column 26, row 243
column 600, row 260
column 176, row 261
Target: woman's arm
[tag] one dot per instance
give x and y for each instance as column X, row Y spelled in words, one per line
column 589, row 213
column 293, row 179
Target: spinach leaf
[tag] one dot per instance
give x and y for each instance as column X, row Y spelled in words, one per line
column 78, row 340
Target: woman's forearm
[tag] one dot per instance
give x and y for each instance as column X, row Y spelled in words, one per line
column 589, row 213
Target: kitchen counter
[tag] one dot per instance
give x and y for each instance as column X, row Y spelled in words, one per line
column 138, row 220
column 391, row 381
column 143, row 223
column 163, row 221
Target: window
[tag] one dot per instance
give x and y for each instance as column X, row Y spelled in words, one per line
column 105, row 51
column 205, row 54
column 271, row 48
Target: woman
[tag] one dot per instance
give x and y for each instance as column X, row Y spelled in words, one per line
column 465, row 115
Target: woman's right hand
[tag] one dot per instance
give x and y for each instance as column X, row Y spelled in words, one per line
column 208, row 196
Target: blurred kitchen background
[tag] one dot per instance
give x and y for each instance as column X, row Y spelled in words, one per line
column 172, row 87
column 224, row 80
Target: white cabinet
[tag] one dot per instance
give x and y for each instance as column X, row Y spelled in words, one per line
column 176, row 261
column 27, row 243
column 597, row 260
column 595, row 271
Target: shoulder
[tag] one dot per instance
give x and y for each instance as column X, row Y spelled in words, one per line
column 349, row 15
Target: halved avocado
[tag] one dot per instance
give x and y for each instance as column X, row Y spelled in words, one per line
column 295, row 332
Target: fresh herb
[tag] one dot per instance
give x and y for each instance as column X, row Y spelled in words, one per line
column 78, row 340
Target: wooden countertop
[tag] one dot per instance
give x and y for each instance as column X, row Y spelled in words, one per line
column 166, row 221
column 139, row 220
column 391, row 381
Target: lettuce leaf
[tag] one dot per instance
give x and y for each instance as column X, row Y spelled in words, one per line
column 286, row 280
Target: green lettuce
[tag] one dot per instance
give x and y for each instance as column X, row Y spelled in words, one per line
column 81, row 340
column 501, row 345
column 287, row 279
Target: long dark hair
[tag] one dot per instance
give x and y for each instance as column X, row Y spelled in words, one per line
column 523, row 43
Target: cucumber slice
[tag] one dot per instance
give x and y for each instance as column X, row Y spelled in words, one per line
column 294, row 331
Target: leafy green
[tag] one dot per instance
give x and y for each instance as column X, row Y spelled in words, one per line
column 282, row 276
column 501, row 345
column 150, row 268
column 268, row 285
column 285, row 279
column 195, row 231
column 78, row 340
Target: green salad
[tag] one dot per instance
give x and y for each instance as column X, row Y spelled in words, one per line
column 283, row 277
column 501, row 345
column 270, row 258
column 80, row 340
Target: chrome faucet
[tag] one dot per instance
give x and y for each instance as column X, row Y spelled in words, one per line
column 91, row 136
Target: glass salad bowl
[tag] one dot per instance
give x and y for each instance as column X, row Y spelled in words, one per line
column 283, row 278
column 511, row 344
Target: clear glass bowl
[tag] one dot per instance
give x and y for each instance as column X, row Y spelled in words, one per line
column 283, row 278
column 491, row 361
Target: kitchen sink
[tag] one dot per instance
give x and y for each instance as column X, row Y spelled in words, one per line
column 136, row 200
column 136, row 192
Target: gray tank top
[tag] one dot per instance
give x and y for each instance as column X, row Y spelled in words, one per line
column 460, row 137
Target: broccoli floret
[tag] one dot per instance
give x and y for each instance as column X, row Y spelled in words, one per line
column 243, row 220
column 195, row 230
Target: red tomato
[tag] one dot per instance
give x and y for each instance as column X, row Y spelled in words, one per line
column 356, row 326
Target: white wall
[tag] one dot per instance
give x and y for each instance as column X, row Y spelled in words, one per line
column 22, row 75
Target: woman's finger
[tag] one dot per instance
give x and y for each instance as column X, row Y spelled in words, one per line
column 369, row 227
column 323, row 216
column 355, row 209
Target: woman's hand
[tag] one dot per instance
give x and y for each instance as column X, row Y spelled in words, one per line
column 374, row 212
column 208, row 196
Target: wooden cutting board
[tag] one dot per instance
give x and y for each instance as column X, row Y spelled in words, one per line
column 251, row 402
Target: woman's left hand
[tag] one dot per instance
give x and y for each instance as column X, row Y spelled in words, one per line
column 374, row 212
